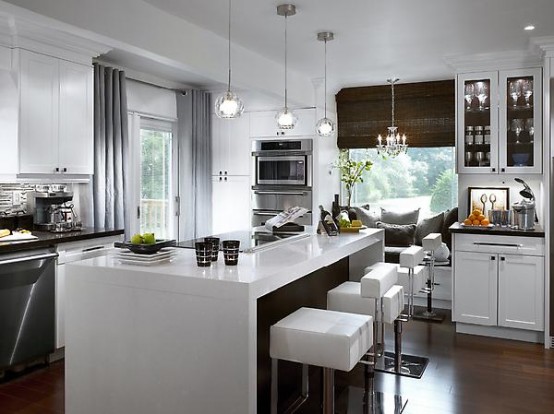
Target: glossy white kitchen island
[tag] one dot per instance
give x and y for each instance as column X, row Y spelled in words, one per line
column 176, row 338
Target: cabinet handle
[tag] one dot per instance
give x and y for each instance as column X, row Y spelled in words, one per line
column 219, row 178
column 503, row 170
column 493, row 169
column 64, row 169
column 57, row 169
column 220, row 172
column 225, row 178
column 493, row 258
column 225, row 172
column 517, row 245
column 502, row 259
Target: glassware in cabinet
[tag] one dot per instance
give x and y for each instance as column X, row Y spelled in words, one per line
column 477, row 120
column 520, row 121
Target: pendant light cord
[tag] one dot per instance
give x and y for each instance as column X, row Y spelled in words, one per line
column 325, row 81
column 392, row 92
column 286, row 93
column 229, row 51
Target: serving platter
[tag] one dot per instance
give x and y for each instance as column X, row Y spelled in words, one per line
column 488, row 226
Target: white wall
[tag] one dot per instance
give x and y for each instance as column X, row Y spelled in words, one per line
column 326, row 178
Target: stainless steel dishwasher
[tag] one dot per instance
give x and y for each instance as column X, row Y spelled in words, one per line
column 27, row 306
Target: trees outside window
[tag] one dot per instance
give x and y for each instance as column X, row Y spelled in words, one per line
column 423, row 177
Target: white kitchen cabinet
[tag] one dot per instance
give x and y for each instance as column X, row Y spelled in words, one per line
column 72, row 252
column 263, row 124
column 499, row 122
column 521, row 292
column 475, row 288
column 55, row 116
column 230, row 203
column 75, row 145
column 231, row 148
column 499, row 281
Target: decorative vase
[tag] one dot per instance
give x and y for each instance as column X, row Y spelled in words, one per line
column 442, row 253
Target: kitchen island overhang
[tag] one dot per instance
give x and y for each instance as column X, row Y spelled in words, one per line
column 177, row 337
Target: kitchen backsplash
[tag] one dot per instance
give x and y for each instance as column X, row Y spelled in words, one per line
column 7, row 196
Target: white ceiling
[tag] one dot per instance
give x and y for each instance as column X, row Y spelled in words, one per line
column 375, row 39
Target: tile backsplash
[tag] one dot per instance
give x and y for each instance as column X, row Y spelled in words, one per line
column 9, row 191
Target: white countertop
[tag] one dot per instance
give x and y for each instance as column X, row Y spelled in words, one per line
column 261, row 272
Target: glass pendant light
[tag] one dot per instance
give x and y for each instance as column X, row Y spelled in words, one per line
column 285, row 118
column 229, row 105
column 325, row 127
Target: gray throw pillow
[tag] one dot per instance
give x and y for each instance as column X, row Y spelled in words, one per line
column 367, row 217
column 450, row 217
column 428, row 225
column 399, row 217
column 398, row 234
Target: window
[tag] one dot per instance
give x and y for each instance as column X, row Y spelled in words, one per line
column 154, row 188
column 424, row 177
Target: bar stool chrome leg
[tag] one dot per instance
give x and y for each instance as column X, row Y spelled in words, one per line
column 430, row 243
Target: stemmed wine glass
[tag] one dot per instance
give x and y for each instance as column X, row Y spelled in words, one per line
column 469, row 94
column 481, row 91
column 517, row 127
column 527, row 90
column 515, row 91
column 530, row 128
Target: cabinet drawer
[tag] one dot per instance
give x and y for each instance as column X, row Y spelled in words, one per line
column 488, row 243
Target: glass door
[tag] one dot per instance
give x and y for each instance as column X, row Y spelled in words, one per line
column 154, row 155
column 477, row 123
column 520, row 121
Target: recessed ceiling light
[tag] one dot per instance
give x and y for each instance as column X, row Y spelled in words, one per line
column 529, row 28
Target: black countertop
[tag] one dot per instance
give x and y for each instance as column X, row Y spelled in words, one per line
column 497, row 230
column 46, row 239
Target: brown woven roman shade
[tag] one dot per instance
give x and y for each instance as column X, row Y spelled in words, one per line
column 425, row 112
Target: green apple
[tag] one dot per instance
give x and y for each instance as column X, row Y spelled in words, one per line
column 148, row 238
column 136, row 239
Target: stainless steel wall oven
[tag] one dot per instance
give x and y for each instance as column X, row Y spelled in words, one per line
column 283, row 178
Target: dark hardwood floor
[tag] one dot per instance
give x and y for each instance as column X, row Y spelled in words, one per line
column 466, row 374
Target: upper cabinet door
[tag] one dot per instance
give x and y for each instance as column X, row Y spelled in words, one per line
column 477, row 123
column 38, row 121
column 263, row 124
column 520, row 132
column 231, row 149
column 75, row 119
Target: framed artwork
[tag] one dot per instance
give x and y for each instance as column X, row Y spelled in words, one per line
column 488, row 198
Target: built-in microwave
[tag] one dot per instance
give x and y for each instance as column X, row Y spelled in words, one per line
column 283, row 163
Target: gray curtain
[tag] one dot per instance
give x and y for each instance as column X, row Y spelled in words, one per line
column 195, row 148
column 111, row 148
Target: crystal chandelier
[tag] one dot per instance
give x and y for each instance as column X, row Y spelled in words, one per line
column 285, row 118
column 394, row 144
column 229, row 105
column 325, row 127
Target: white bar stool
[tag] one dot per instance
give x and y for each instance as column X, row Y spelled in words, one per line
column 329, row 339
column 406, row 365
column 376, row 295
column 430, row 243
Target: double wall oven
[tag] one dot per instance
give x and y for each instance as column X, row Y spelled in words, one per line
column 283, row 178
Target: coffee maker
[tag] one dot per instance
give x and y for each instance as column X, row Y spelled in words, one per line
column 52, row 208
column 524, row 211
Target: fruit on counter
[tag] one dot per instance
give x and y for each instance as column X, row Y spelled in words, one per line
column 4, row 232
column 145, row 238
column 148, row 238
column 476, row 218
column 22, row 231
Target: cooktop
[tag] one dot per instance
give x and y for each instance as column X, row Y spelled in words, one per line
column 248, row 238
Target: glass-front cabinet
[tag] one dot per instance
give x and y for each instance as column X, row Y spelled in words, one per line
column 499, row 122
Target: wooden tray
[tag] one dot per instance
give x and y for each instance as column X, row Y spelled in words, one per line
column 351, row 229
